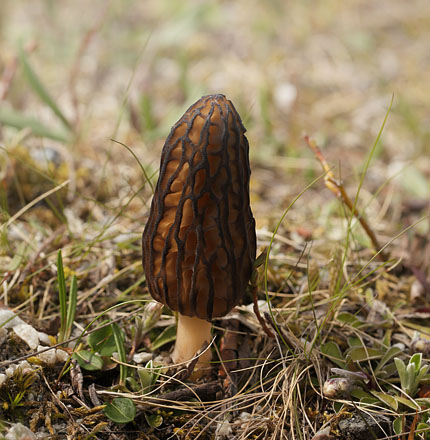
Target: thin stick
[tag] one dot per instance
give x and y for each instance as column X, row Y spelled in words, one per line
column 339, row 191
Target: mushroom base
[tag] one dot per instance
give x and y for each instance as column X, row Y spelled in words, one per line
column 191, row 334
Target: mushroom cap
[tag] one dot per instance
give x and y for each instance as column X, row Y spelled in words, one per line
column 199, row 243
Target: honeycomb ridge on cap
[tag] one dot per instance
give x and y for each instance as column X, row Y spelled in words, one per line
column 199, row 243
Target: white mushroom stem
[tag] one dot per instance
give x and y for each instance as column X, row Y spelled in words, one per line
column 191, row 334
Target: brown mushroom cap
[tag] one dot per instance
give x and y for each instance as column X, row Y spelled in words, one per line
column 199, row 243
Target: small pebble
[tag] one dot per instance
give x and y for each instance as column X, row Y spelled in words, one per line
column 28, row 334
column 223, row 430
column 25, row 367
column 3, row 335
column 44, row 339
column 142, row 357
column 20, row 432
column 48, row 357
column 8, row 319
column 11, row 370
column 62, row 355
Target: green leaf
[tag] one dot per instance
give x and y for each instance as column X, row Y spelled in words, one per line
column 416, row 360
column 17, row 120
column 388, row 371
column 370, row 401
column 407, row 402
column 121, row 410
column 389, row 400
column 102, row 341
column 423, row 428
column 389, row 354
column 166, row 336
column 145, row 378
column 358, row 393
column 338, row 406
column 401, row 369
column 386, row 341
column 133, row 384
column 410, row 379
column 422, row 373
column 349, row 318
column 332, row 351
column 424, row 402
column 398, row 425
column 355, row 342
column 40, row 89
column 89, row 361
column 119, row 337
column 154, row 369
column 154, row 420
column 359, row 354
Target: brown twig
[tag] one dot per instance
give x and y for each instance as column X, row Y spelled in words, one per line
column 339, row 191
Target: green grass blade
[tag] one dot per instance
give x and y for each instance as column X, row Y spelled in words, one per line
column 62, row 296
column 40, row 89
column 138, row 161
column 121, row 353
column 71, row 306
column 357, row 194
column 17, row 120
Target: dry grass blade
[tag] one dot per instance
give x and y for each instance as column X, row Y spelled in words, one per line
column 32, row 203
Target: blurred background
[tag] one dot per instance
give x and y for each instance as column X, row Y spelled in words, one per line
column 75, row 75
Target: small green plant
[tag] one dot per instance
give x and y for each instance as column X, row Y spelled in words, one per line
column 103, row 343
column 15, row 389
column 412, row 374
column 148, row 376
column 67, row 304
column 121, row 410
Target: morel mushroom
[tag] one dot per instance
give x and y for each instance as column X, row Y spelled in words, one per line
column 199, row 242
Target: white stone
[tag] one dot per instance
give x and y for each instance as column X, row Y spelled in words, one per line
column 8, row 319
column 48, row 357
column 28, row 334
column 62, row 355
column 20, row 432
column 142, row 357
column 3, row 335
column 11, row 370
column 44, row 339
column 25, row 367
column 223, row 430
